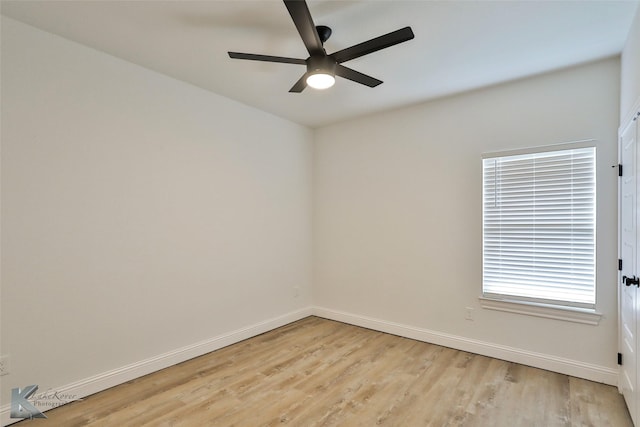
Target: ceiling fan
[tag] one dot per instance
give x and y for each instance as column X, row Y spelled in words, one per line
column 322, row 68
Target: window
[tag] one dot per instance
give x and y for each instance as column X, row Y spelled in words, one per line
column 539, row 220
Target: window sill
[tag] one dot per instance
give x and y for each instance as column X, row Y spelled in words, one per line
column 569, row 314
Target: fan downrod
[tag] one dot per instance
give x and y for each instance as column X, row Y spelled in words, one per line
column 324, row 32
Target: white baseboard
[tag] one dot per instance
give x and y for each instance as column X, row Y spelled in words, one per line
column 548, row 362
column 105, row 380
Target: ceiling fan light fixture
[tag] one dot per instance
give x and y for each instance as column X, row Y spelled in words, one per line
column 321, row 80
column 321, row 72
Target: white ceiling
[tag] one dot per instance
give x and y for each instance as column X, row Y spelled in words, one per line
column 458, row 45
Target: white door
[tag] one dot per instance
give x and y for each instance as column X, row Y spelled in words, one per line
column 628, row 252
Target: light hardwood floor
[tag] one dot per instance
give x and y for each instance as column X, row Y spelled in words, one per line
column 317, row 372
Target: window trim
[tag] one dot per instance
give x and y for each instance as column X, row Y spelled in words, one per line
column 558, row 312
column 584, row 143
column 564, row 312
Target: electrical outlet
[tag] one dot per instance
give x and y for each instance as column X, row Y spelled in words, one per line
column 296, row 291
column 4, row 365
column 468, row 313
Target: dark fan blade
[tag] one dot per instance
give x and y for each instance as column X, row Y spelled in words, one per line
column 300, row 84
column 356, row 76
column 304, row 23
column 267, row 58
column 373, row 45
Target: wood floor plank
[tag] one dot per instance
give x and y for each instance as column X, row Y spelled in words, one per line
column 317, row 372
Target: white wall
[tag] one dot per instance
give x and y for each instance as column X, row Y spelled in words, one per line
column 398, row 223
column 139, row 214
column 630, row 70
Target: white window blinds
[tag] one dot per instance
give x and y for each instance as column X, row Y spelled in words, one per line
column 539, row 218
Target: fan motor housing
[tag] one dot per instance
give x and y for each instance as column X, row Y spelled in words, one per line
column 321, row 64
